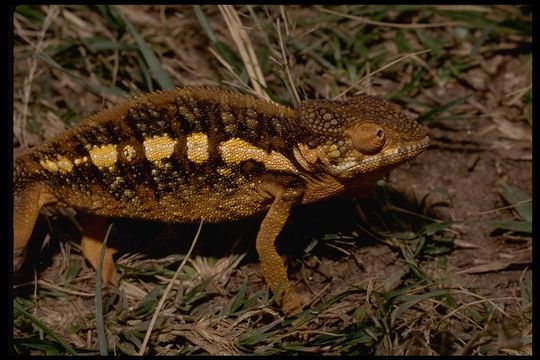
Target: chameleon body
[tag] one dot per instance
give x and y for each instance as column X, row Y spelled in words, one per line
column 188, row 154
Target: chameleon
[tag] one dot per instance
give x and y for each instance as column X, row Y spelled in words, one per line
column 186, row 154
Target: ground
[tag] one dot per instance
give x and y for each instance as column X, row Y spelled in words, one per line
column 437, row 260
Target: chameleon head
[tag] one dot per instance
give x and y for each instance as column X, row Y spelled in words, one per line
column 361, row 135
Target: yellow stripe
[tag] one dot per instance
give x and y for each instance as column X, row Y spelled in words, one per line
column 62, row 164
column 49, row 165
column 158, row 147
column 197, row 148
column 103, row 156
column 236, row 150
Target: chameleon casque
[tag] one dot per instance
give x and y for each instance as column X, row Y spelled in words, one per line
column 180, row 155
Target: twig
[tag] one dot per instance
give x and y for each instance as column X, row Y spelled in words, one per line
column 387, row 24
column 47, row 284
column 285, row 58
column 245, row 49
column 166, row 292
column 379, row 70
column 231, row 70
column 27, row 84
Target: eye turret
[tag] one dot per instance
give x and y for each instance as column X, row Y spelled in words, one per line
column 368, row 138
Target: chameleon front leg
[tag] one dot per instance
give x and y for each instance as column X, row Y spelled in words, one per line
column 273, row 268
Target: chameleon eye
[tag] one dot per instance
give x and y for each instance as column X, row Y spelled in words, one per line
column 368, row 138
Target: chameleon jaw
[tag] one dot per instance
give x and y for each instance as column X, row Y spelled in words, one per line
column 383, row 159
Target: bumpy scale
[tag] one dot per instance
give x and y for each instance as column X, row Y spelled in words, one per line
column 181, row 155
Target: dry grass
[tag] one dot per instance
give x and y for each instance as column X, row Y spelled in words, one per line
column 400, row 294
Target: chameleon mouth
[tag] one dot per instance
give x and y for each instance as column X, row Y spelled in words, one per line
column 403, row 153
column 385, row 158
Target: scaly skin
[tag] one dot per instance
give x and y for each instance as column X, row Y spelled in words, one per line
column 181, row 155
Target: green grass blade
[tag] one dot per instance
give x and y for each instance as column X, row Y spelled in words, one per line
column 100, row 324
column 147, row 304
column 395, row 279
column 430, row 115
column 46, row 329
column 515, row 225
column 415, row 300
column 156, row 69
column 95, row 89
column 238, row 300
column 199, row 14
column 516, row 197
column 259, row 334
column 481, row 39
column 434, row 228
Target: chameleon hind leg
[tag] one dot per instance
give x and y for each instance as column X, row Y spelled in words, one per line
column 94, row 231
column 27, row 204
column 272, row 266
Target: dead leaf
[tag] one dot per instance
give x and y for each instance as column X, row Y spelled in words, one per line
column 512, row 130
column 523, row 257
